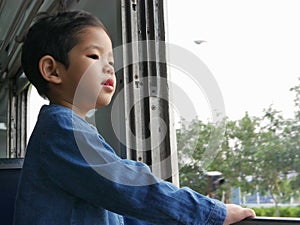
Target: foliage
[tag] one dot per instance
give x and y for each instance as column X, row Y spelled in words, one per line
column 284, row 211
column 254, row 154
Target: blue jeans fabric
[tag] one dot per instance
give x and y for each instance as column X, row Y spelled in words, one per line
column 72, row 176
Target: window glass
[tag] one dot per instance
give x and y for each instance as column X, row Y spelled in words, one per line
column 3, row 119
column 35, row 101
column 243, row 56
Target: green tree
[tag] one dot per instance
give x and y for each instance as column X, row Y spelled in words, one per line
column 274, row 160
column 192, row 140
column 233, row 157
column 253, row 154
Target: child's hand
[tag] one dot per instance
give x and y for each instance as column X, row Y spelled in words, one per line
column 236, row 213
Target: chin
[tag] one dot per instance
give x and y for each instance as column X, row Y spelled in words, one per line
column 102, row 104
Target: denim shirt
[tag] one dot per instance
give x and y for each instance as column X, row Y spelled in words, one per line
column 72, row 176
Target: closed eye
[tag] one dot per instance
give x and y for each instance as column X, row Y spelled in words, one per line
column 93, row 56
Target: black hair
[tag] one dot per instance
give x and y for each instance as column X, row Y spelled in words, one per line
column 53, row 35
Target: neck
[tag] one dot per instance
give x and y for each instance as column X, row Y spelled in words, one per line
column 76, row 109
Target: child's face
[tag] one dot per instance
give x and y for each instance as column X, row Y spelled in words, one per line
column 89, row 82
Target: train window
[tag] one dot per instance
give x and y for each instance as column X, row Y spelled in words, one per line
column 35, row 101
column 240, row 60
column 4, row 93
column 13, row 97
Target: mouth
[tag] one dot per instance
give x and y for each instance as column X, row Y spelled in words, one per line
column 108, row 85
column 108, row 82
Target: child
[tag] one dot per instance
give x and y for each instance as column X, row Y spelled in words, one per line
column 70, row 174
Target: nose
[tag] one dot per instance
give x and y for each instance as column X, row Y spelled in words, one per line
column 108, row 69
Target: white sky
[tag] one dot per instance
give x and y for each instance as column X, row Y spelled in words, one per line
column 252, row 49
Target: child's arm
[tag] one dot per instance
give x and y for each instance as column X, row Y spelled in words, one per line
column 82, row 164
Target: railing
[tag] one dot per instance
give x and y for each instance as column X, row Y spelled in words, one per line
column 270, row 221
column 9, row 173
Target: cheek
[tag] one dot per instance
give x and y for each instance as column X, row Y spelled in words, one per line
column 93, row 75
column 90, row 80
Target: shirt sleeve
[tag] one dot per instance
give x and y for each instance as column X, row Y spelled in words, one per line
column 78, row 160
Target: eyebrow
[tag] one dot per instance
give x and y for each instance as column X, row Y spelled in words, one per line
column 94, row 47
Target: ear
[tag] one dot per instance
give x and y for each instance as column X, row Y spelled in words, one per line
column 48, row 69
